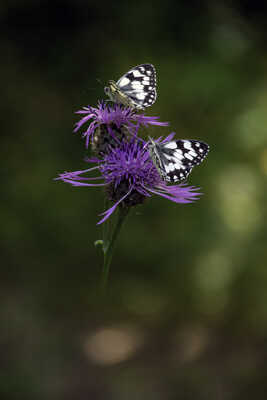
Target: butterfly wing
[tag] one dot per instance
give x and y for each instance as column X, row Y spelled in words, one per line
column 177, row 158
column 139, row 85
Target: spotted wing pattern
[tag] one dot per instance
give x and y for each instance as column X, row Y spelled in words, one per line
column 139, row 85
column 176, row 159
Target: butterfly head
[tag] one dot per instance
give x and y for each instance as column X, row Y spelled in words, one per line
column 111, row 89
column 151, row 144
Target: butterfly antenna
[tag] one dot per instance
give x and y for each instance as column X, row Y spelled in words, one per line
column 99, row 81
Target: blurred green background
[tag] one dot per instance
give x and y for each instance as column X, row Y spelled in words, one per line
column 185, row 316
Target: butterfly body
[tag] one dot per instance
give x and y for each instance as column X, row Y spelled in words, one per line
column 136, row 89
column 118, row 96
column 175, row 159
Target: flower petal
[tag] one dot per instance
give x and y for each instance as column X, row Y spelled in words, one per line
column 112, row 209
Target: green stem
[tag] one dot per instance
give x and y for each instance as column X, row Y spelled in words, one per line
column 108, row 245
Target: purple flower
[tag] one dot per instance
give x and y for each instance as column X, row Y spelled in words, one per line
column 113, row 117
column 128, row 173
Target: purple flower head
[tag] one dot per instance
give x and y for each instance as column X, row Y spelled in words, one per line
column 129, row 175
column 112, row 117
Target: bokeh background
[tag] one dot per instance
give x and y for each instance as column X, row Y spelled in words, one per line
column 185, row 316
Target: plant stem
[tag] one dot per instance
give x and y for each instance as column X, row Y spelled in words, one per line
column 109, row 244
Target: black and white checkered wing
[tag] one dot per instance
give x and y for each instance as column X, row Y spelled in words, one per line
column 177, row 158
column 139, row 84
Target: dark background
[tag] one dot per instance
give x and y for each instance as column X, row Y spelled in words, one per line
column 185, row 316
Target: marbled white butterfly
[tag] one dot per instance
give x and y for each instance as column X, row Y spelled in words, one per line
column 176, row 159
column 135, row 89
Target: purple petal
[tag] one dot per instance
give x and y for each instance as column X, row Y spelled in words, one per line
column 76, row 183
column 168, row 138
column 112, row 209
column 177, row 194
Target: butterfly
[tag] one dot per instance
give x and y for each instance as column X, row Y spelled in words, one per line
column 136, row 89
column 176, row 159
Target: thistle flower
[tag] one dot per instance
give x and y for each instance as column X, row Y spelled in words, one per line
column 129, row 176
column 124, row 166
column 113, row 117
